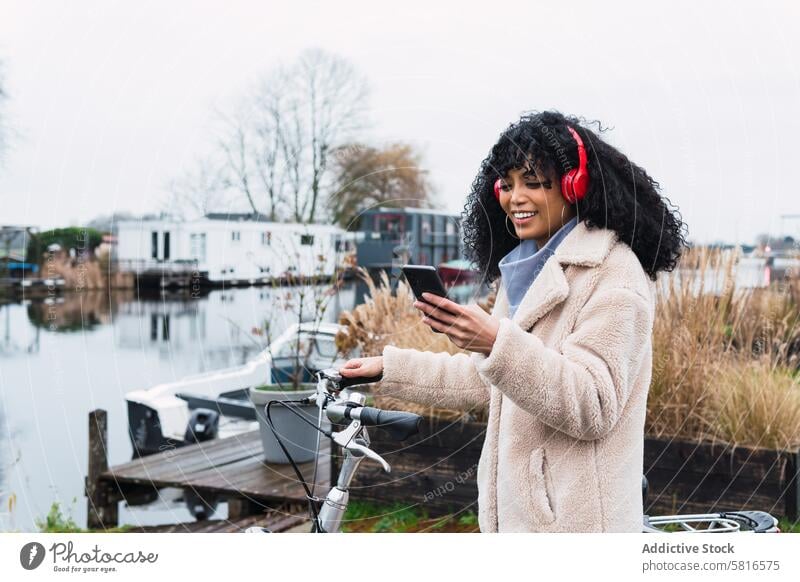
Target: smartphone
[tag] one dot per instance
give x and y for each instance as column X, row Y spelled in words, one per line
column 424, row 279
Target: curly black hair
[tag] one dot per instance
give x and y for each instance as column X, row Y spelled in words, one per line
column 621, row 196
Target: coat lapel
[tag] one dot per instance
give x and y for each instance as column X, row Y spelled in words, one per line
column 548, row 290
column 583, row 247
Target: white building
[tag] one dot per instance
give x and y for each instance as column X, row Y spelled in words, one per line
column 232, row 248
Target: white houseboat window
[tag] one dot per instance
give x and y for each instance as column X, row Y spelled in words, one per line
column 197, row 244
column 154, row 245
column 306, row 239
column 450, row 227
column 236, row 236
column 266, row 238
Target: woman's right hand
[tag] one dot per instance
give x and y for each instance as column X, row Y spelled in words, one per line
column 362, row 367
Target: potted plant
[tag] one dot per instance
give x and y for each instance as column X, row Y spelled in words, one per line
column 291, row 424
column 291, row 374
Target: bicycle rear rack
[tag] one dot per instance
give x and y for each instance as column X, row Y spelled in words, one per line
column 723, row 522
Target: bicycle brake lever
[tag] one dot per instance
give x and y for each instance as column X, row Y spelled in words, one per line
column 353, row 446
column 347, row 440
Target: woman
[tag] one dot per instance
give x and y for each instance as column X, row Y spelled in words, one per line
column 577, row 234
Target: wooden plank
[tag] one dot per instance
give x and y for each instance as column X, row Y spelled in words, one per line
column 219, row 451
column 252, row 475
column 714, row 493
column 436, row 468
column 244, row 471
column 702, row 477
column 181, row 471
column 791, row 481
column 164, row 466
column 230, row 466
column 439, row 493
column 754, row 464
column 440, row 434
column 276, row 520
column 253, row 478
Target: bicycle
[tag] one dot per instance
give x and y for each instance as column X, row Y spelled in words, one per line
column 339, row 404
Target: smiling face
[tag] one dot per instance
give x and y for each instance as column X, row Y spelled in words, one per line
column 534, row 204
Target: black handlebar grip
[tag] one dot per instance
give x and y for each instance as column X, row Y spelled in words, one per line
column 347, row 382
column 399, row 425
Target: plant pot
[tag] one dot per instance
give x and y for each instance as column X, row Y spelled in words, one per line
column 299, row 438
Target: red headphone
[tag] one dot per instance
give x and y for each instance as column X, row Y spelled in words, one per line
column 574, row 183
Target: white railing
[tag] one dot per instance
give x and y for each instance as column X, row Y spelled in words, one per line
column 140, row 266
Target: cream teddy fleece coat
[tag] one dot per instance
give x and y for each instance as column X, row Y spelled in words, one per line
column 566, row 384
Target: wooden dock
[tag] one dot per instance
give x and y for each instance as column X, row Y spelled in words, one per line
column 282, row 519
column 229, row 469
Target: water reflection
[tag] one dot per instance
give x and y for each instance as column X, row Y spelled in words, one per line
column 74, row 312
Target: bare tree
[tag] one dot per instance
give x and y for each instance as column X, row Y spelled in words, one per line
column 201, row 189
column 268, row 151
column 236, row 145
column 286, row 115
column 276, row 145
column 334, row 96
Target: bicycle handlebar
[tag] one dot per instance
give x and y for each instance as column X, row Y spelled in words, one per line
column 400, row 425
column 348, row 382
column 340, row 382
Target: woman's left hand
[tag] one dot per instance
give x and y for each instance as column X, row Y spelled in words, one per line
column 468, row 326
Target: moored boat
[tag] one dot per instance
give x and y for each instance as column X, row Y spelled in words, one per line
column 216, row 404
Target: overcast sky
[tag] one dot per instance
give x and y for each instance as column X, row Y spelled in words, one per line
column 109, row 100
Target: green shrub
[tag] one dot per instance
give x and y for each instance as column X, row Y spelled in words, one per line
column 56, row 522
column 73, row 237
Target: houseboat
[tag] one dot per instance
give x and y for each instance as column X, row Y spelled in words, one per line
column 228, row 249
column 396, row 236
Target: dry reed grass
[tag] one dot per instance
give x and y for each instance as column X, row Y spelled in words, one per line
column 723, row 362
